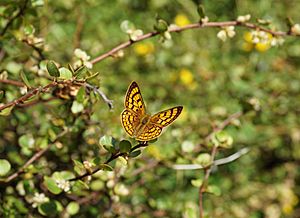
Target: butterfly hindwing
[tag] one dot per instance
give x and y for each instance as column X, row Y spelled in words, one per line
column 166, row 117
column 129, row 121
column 150, row 132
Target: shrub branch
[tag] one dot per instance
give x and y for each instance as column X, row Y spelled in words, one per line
column 187, row 27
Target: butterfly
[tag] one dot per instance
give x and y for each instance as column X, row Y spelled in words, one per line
column 139, row 124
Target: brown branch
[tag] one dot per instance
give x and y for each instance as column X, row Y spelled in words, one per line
column 187, row 27
column 30, row 94
column 223, row 124
column 112, row 157
column 12, row 82
column 37, row 101
column 203, row 186
column 34, row 158
column 11, row 20
column 37, row 49
column 207, row 170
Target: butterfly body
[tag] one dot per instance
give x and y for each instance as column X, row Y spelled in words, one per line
column 140, row 125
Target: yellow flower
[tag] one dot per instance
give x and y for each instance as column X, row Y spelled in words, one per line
column 144, row 48
column 262, row 46
column 187, row 78
column 287, row 209
column 181, row 20
column 248, row 37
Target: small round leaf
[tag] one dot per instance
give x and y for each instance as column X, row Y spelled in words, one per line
column 4, row 167
column 73, row 208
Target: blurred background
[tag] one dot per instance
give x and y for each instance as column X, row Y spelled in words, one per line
column 212, row 79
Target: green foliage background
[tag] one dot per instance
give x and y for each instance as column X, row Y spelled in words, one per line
column 210, row 78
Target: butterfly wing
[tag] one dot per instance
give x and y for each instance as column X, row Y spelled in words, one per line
column 129, row 121
column 134, row 100
column 166, row 117
column 150, row 132
column 162, row 119
column 134, row 109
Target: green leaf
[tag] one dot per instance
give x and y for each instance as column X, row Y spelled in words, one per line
column 4, row 167
column 26, row 141
column 29, row 29
column 80, row 94
column 52, row 69
column 51, row 185
column 48, row 208
column 6, row 111
column 97, row 185
column 96, row 161
column 78, row 167
column 197, row 182
column 135, row 153
column 122, row 161
column 224, row 139
column 161, row 26
column 71, row 69
column 213, row 189
column 64, row 175
column 92, row 76
column 65, row 73
column 203, row 159
column 125, row 146
column 107, row 142
column 105, row 167
column 81, row 72
column 73, row 208
column 79, row 184
column 201, row 11
column 77, row 107
column 24, row 79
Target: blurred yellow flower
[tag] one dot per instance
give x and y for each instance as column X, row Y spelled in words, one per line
column 181, row 20
column 287, row 209
column 248, row 37
column 259, row 40
column 143, row 48
column 262, row 47
column 187, row 78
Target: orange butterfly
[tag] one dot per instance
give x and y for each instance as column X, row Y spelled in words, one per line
column 140, row 125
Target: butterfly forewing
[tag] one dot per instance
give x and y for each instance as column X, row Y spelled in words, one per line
column 134, row 100
column 166, row 117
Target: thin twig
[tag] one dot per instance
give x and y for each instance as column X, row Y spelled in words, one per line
column 207, row 171
column 10, row 22
column 30, row 94
column 37, row 101
column 187, row 27
column 112, row 157
column 223, row 124
column 12, row 82
column 203, row 186
column 34, row 158
column 37, row 49
column 218, row 162
column 103, row 96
